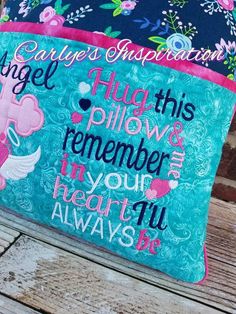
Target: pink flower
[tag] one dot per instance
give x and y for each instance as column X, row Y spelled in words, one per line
column 226, row 48
column 56, row 20
column 227, row 4
column 128, row 5
column 47, row 14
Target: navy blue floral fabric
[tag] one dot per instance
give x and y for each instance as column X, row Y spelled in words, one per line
column 176, row 24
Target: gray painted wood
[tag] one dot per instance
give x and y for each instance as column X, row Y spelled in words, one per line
column 218, row 291
column 8, row 306
column 7, row 237
column 56, row 281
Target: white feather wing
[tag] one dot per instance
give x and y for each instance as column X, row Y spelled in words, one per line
column 18, row 167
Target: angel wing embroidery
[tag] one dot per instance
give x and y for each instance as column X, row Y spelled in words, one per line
column 18, row 167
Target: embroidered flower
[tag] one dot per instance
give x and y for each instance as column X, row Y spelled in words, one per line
column 120, row 7
column 177, row 42
column 56, row 20
column 228, row 56
column 222, row 46
column 225, row 7
column 226, row 48
column 126, row 12
column 28, row 5
column 47, row 14
column 227, row 4
column 231, row 48
column 128, row 5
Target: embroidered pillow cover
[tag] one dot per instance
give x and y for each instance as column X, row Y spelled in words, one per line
column 115, row 153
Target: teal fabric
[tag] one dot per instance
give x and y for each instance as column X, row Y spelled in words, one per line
column 180, row 253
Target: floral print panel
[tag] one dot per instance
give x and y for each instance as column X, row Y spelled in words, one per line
column 173, row 24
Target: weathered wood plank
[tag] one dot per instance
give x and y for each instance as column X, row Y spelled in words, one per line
column 221, row 237
column 56, row 281
column 9, row 231
column 7, row 237
column 8, row 306
column 217, row 291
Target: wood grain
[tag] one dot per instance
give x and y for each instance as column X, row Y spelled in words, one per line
column 218, row 291
column 50, row 279
column 8, row 306
column 7, row 237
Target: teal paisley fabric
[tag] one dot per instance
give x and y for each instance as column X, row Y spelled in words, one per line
column 129, row 170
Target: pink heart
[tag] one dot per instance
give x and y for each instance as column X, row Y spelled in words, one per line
column 151, row 194
column 161, row 187
column 76, row 117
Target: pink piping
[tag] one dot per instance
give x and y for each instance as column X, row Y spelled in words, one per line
column 105, row 42
column 234, row 113
column 206, row 267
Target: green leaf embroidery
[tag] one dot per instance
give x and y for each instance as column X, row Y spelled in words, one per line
column 117, row 11
column 5, row 18
column 115, row 34
column 160, row 41
column 35, row 3
column 234, row 13
column 58, row 4
column 108, row 6
column 116, row 1
column 230, row 76
column 108, row 30
column 157, row 39
column 162, row 46
column 63, row 9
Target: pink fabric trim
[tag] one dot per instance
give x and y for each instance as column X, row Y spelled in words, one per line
column 206, row 267
column 105, row 42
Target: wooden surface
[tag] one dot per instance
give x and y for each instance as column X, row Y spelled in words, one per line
column 8, row 306
column 7, row 237
column 55, row 280
column 48, row 278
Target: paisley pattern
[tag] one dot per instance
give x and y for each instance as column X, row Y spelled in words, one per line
column 181, row 251
column 176, row 24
